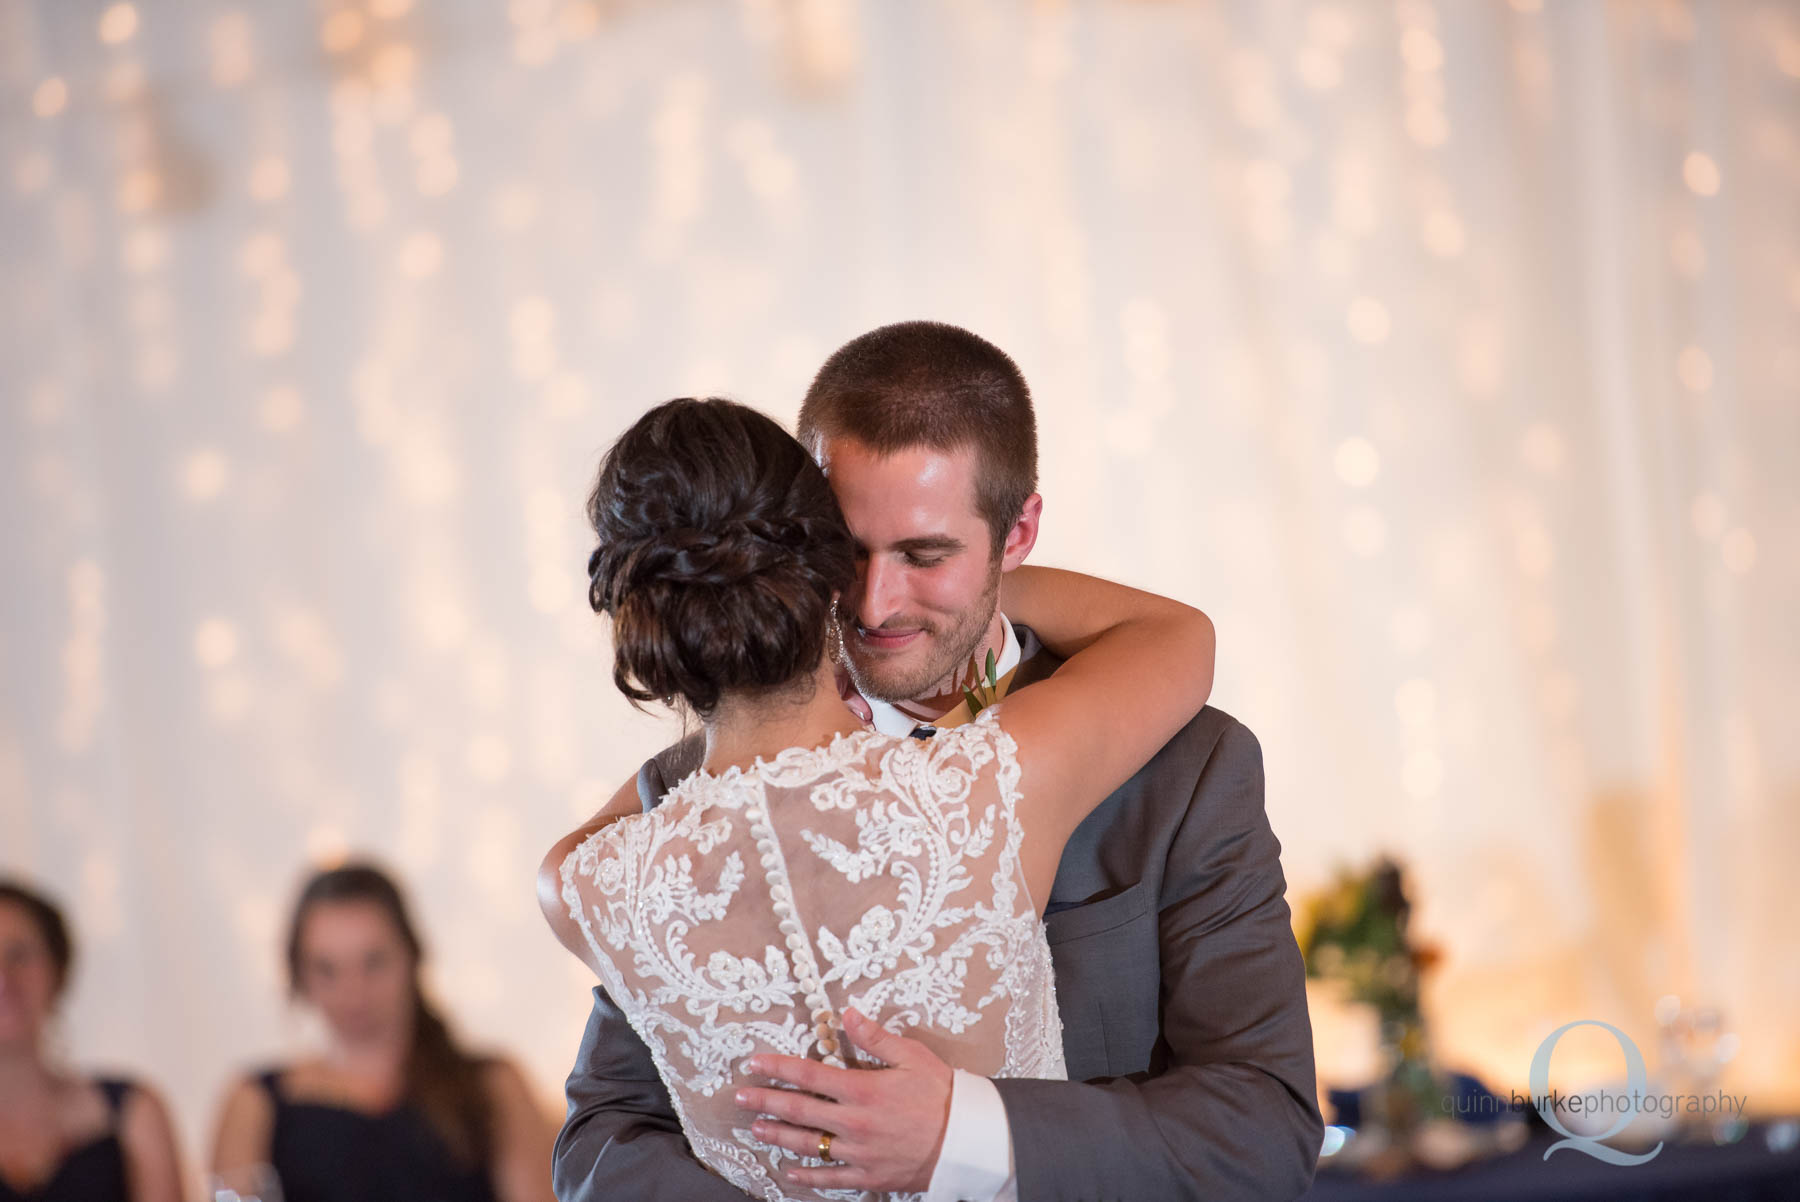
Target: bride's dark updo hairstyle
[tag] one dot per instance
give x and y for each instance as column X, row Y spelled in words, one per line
column 721, row 548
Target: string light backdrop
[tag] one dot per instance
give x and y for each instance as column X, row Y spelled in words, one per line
column 1447, row 354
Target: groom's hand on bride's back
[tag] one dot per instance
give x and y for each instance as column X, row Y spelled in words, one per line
column 886, row 1124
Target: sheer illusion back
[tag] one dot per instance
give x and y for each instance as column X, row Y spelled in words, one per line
column 749, row 909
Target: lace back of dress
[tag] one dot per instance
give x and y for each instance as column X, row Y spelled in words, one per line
column 749, row 910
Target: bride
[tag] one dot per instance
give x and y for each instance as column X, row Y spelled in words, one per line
column 813, row 869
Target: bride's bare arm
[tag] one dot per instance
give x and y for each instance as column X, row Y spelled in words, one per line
column 1139, row 667
column 1068, row 611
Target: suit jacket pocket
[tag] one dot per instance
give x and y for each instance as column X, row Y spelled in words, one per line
column 1096, row 917
column 1108, row 975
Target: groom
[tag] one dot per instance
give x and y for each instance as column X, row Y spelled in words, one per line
column 1180, row 986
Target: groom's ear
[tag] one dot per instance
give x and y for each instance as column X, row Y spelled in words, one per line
column 1023, row 535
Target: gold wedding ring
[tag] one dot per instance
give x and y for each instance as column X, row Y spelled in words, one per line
column 825, row 1147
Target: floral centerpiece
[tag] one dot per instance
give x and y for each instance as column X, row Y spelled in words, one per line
column 1355, row 933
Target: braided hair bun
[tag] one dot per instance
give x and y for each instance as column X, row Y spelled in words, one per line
column 720, row 549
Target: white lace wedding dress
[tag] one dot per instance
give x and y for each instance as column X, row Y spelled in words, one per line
column 749, row 909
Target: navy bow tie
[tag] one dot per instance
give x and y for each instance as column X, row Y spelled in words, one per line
column 923, row 731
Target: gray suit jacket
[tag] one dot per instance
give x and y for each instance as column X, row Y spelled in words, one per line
column 1182, row 996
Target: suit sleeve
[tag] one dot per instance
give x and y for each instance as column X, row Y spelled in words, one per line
column 1233, row 1113
column 621, row 1138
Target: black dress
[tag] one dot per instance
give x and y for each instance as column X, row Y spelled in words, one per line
column 94, row 1172
column 326, row 1153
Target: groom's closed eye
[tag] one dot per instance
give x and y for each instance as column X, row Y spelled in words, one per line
column 926, row 551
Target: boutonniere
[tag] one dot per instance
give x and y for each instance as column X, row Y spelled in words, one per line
column 985, row 692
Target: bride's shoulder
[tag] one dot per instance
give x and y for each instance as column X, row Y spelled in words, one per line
column 601, row 860
column 988, row 724
column 982, row 739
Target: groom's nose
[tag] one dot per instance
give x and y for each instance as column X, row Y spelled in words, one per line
column 883, row 591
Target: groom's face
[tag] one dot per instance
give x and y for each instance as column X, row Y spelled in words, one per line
column 927, row 581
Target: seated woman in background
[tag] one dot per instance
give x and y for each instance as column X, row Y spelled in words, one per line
column 394, row 1110
column 64, row 1136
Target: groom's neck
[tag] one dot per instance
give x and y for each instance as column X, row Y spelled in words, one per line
column 946, row 694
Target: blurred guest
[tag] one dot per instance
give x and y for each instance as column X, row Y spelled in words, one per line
column 65, row 1136
column 394, row 1109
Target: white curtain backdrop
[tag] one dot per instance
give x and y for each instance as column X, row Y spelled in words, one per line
column 1447, row 354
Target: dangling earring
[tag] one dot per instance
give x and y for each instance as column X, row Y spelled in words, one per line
column 834, row 631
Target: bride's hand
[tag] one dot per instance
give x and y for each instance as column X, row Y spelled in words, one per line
column 857, row 703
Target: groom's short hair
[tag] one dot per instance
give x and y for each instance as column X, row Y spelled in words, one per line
column 925, row 383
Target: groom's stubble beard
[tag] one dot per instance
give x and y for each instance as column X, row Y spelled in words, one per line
column 936, row 673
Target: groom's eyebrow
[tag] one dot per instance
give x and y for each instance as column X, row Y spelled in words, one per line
column 945, row 544
column 929, row 542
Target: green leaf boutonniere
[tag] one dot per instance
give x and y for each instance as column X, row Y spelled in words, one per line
column 985, row 692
